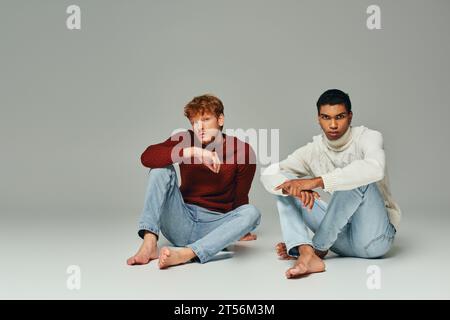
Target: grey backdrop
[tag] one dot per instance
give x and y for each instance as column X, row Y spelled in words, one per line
column 79, row 107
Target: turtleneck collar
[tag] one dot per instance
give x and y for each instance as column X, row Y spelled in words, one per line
column 340, row 144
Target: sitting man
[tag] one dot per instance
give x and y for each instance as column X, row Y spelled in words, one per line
column 361, row 218
column 210, row 209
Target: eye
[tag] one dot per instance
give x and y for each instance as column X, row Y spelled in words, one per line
column 325, row 117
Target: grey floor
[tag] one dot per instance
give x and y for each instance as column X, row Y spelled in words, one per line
column 36, row 251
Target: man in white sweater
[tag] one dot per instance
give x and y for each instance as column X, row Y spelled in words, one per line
column 349, row 162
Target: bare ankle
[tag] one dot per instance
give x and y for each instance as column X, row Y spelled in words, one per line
column 305, row 249
column 150, row 237
column 188, row 253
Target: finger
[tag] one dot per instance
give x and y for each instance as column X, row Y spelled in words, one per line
column 281, row 186
column 316, row 195
column 217, row 160
column 210, row 167
column 213, row 161
column 306, row 199
column 302, row 198
column 288, row 189
column 311, row 201
column 215, row 165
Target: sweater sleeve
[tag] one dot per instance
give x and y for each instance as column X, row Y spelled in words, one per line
column 295, row 164
column 162, row 154
column 360, row 172
column 244, row 178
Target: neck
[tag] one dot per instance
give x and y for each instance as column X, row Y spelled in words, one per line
column 339, row 144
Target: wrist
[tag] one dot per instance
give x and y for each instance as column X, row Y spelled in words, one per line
column 319, row 182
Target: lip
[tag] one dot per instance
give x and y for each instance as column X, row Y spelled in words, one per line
column 333, row 133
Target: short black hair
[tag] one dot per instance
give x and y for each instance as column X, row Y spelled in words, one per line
column 332, row 97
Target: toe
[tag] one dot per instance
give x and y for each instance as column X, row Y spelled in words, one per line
column 290, row 273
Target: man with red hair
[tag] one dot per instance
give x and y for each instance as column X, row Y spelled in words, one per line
column 210, row 209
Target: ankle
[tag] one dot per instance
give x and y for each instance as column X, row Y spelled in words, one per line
column 187, row 253
column 305, row 249
column 150, row 239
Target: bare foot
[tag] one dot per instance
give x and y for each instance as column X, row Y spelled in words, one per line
column 248, row 237
column 308, row 262
column 168, row 257
column 146, row 253
column 282, row 251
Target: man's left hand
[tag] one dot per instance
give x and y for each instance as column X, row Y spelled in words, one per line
column 294, row 187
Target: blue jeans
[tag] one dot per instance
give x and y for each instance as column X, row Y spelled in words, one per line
column 206, row 232
column 355, row 223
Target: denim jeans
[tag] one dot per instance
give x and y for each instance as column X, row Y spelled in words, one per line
column 355, row 223
column 206, row 232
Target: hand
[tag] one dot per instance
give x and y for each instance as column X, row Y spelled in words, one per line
column 307, row 198
column 211, row 160
column 295, row 186
column 208, row 158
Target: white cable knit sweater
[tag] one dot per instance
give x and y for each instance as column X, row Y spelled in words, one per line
column 354, row 160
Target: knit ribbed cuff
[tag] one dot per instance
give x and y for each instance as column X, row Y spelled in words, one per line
column 330, row 182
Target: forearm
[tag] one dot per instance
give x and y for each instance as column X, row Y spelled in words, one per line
column 157, row 157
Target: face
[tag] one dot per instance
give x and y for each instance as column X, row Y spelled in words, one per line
column 334, row 120
column 207, row 126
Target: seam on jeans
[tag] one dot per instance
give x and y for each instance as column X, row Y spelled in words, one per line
column 366, row 248
column 350, row 238
column 170, row 168
column 194, row 225
column 372, row 241
column 320, row 205
column 386, row 236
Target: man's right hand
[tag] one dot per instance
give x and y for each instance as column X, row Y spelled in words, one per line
column 208, row 158
column 307, row 197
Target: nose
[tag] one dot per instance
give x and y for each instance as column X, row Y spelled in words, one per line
column 333, row 124
column 199, row 125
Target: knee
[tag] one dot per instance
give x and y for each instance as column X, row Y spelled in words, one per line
column 287, row 201
column 358, row 192
column 162, row 175
column 250, row 213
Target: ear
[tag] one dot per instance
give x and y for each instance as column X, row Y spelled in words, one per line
column 221, row 119
column 350, row 116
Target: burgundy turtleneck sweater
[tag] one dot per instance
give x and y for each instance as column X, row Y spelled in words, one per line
column 221, row 192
